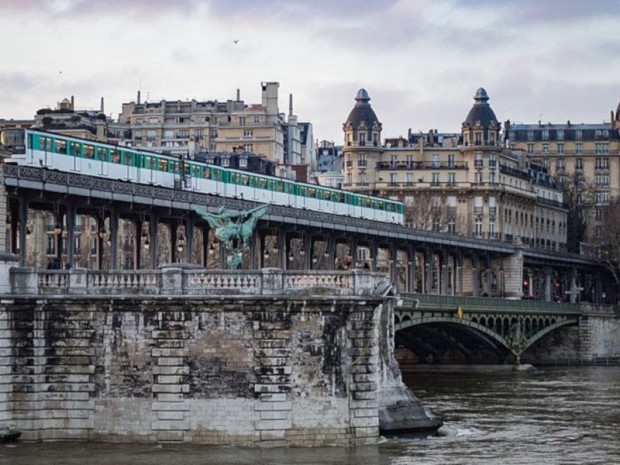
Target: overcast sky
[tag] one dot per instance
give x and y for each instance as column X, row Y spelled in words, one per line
column 421, row 61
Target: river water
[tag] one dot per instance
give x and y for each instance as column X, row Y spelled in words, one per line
column 550, row 416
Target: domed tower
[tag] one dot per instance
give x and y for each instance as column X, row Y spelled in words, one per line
column 362, row 128
column 481, row 127
column 362, row 145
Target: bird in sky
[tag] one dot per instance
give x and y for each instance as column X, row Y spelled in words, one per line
column 236, row 41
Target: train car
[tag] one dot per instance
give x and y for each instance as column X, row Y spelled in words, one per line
column 65, row 153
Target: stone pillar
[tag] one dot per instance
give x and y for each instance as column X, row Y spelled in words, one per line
column 548, row 286
column 307, row 248
column 114, row 217
column 153, row 239
column 513, row 274
column 412, row 268
column 476, row 275
column 573, row 285
column 23, row 231
column 189, row 243
column 444, row 285
column 70, row 235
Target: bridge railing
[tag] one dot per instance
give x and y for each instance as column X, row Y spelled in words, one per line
column 173, row 280
column 489, row 304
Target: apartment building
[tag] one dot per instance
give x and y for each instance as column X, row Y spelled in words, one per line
column 463, row 183
column 587, row 150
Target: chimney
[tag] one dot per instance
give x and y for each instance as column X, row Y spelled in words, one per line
column 238, row 95
column 102, row 107
column 290, row 104
column 72, row 103
column 138, row 97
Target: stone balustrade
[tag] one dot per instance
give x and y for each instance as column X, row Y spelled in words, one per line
column 179, row 280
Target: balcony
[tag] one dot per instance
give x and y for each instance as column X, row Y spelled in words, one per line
column 420, row 165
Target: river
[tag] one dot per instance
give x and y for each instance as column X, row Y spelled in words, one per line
column 549, row 416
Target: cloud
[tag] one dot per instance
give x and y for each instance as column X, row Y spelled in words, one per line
column 70, row 9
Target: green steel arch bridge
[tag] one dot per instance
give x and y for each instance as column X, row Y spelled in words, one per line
column 431, row 326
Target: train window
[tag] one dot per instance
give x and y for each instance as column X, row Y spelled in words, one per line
column 207, row 173
column 102, row 153
column 186, row 169
column 244, row 179
column 263, row 183
column 61, row 146
column 279, row 186
column 127, row 158
column 163, row 165
column 311, row 192
column 217, row 174
column 176, row 167
column 115, row 156
column 89, row 151
column 74, row 148
column 45, row 143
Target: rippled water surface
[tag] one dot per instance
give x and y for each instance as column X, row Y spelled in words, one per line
column 550, row 416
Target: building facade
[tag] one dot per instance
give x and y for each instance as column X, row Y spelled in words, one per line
column 588, row 151
column 464, row 184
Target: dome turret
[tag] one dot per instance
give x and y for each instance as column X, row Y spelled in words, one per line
column 362, row 126
column 481, row 126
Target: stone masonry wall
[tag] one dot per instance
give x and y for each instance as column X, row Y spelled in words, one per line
column 204, row 370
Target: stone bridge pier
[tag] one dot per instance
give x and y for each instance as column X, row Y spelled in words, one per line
column 194, row 356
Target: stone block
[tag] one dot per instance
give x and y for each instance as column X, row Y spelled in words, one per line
column 170, row 415
column 273, row 435
column 271, row 406
column 170, row 361
column 274, row 415
column 263, row 425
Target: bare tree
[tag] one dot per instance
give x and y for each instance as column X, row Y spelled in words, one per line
column 578, row 195
column 608, row 250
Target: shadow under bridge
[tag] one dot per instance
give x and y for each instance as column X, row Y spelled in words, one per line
column 455, row 329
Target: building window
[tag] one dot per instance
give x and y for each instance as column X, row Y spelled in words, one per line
column 530, row 148
column 451, row 161
column 560, row 164
column 256, row 120
column 492, row 161
column 362, row 178
column 435, row 180
column 601, row 148
column 242, row 121
column 578, row 163
column 362, row 138
column 361, row 159
column 560, row 148
column 560, row 134
column 492, row 177
column 409, row 161
column 478, row 177
column 248, row 133
column 578, row 148
column 435, row 162
column 393, row 160
column 243, row 163
column 545, row 134
column 478, row 138
column 530, row 135
column 393, row 178
column 451, row 179
column 478, row 160
column 545, row 148
column 578, row 134
column 248, row 147
column 601, row 198
column 478, row 231
column 409, row 179
column 451, row 226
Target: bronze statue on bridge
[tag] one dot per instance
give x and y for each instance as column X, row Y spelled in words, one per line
column 233, row 229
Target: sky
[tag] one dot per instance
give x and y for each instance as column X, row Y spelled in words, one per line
column 421, row 61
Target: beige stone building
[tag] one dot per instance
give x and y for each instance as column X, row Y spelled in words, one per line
column 456, row 183
column 588, row 150
column 185, row 127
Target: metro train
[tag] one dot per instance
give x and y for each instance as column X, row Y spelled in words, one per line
column 65, row 153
